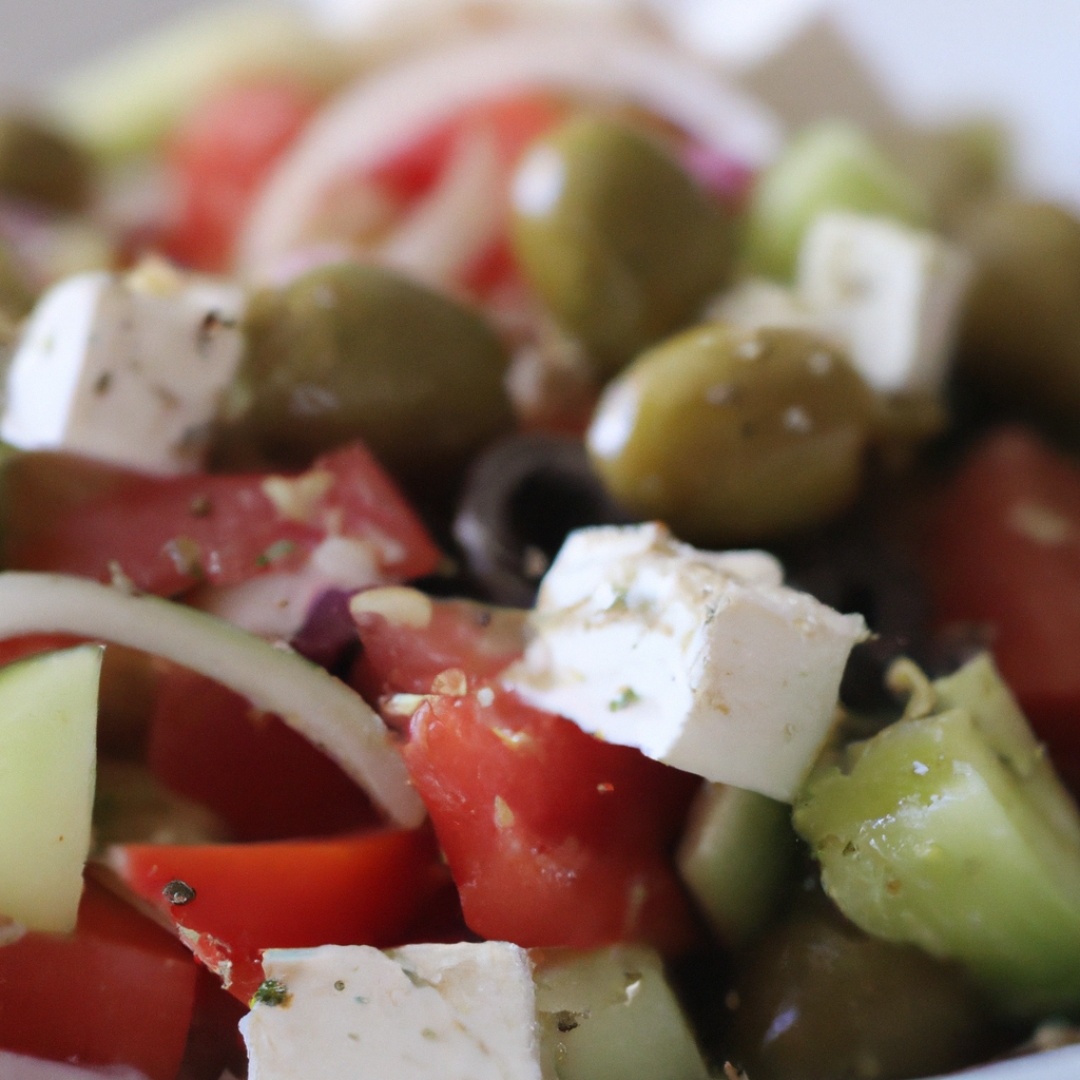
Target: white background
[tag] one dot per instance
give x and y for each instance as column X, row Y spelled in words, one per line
column 1019, row 59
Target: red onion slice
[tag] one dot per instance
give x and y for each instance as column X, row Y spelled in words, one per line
column 383, row 113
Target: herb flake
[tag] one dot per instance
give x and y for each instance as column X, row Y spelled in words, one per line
column 272, row 992
column 626, row 698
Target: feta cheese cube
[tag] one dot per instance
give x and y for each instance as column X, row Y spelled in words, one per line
column 127, row 369
column 421, row 1012
column 702, row 660
column 892, row 295
column 888, row 295
column 468, row 1012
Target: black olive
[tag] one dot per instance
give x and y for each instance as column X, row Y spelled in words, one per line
column 859, row 565
column 818, row 999
column 520, row 500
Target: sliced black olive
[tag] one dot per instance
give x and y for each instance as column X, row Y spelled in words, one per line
column 521, row 499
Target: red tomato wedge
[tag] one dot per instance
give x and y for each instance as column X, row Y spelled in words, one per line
column 217, row 159
column 514, row 122
column 119, row 991
column 554, row 838
column 478, row 639
column 407, row 179
column 76, row 516
column 214, row 1042
column 12, row 649
column 365, row 889
column 1005, row 552
column 266, row 781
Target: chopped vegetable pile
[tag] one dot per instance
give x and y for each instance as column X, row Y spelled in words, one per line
column 513, row 565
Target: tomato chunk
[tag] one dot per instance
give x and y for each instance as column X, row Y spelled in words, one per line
column 365, row 889
column 266, row 781
column 478, row 639
column 218, row 158
column 214, row 1041
column 553, row 837
column 513, row 122
column 12, row 649
column 119, row 991
column 1005, row 553
column 77, row 516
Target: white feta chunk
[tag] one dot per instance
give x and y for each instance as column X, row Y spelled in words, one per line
column 421, row 1012
column 702, row 660
column 889, row 296
column 892, row 295
column 469, row 1012
column 129, row 369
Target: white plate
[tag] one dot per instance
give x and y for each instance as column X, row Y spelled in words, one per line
column 934, row 57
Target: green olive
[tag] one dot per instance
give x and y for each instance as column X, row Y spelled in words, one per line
column 616, row 238
column 1021, row 332
column 16, row 295
column 818, row 999
column 356, row 351
column 40, row 164
column 734, row 436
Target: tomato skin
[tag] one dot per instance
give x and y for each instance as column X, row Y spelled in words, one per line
column 514, row 122
column 1005, row 552
column 73, row 515
column 266, row 781
column 217, row 160
column 553, row 837
column 476, row 638
column 412, row 173
column 12, row 649
column 363, row 889
column 119, row 991
column 214, row 1041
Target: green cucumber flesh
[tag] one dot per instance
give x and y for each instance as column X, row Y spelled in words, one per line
column 48, row 724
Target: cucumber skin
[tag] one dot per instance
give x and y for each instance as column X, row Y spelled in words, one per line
column 931, row 838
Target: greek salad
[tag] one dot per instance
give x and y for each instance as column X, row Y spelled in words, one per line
column 516, row 565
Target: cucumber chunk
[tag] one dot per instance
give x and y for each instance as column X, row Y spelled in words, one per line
column 950, row 831
column 131, row 806
column 611, row 1015
column 127, row 102
column 829, row 166
column 321, row 708
column 48, row 719
column 735, row 857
